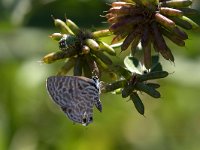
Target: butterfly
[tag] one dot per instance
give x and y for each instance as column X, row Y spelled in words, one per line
column 76, row 95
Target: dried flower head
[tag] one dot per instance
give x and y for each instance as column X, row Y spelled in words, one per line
column 82, row 48
column 147, row 21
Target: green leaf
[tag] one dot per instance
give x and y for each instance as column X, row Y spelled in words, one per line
column 156, row 66
column 78, row 66
column 137, row 102
column 113, row 86
column 153, row 85
column 132, row 63
column 147, row 89
column 155, row 59
column 152, row 75
column 127, row 90
column 122, row 71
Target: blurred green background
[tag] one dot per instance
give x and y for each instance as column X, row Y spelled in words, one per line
column 29, row 120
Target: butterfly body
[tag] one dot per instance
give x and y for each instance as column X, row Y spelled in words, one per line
column 76, row 96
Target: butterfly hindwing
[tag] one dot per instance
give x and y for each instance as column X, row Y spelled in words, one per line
column 75, row 95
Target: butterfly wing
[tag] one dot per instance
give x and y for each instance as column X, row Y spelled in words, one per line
column 96, row 90
column 75, row 95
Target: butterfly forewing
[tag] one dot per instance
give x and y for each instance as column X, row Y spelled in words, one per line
column 75, row 95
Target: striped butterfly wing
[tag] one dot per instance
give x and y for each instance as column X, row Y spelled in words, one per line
column 75, row 95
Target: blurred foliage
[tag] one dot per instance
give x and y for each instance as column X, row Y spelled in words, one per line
column 30, row 120
column 37, row 12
